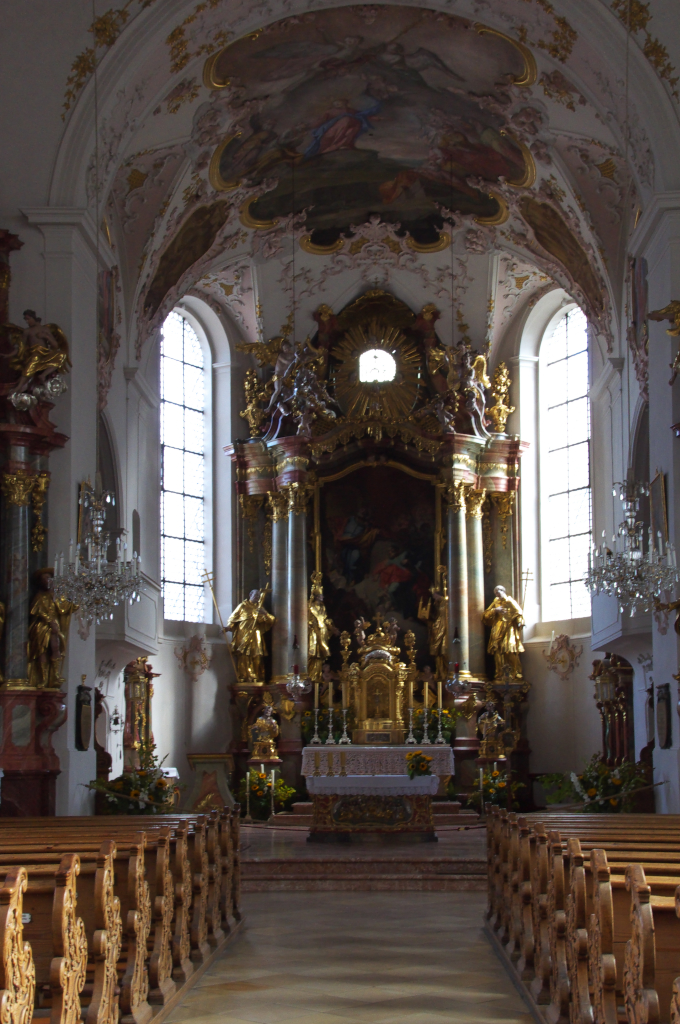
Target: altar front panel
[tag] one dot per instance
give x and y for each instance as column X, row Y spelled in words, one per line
column 365, row 760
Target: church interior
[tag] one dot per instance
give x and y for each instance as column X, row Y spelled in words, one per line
column 339, row 596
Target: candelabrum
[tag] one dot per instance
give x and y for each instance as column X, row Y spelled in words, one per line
column 344, row 738
column 92, row 582
column 410, row 738
column 440, row 735
column 316, row 739
column 425, row 738
column 330, row 726
column 625, row 571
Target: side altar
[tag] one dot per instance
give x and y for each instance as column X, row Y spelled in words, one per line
column 376, row 525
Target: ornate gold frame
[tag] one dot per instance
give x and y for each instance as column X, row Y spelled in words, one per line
column 216, row 179
column 250, row 222
column 496, row 218
column 308, row 245
column 530, row 73
column 443, row 243
column 657, row 508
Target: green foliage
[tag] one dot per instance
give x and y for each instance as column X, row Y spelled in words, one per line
column 144, row 790
column 417, row 764
column 261, row 794
column 495, row 787
column 600, row 789
column 449, row 718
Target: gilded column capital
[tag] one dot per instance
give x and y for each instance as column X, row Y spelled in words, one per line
column 474, row 500
column 454, row 495
column 504, row 502
column 18, row 487
column 278, row 505
column 298, row 495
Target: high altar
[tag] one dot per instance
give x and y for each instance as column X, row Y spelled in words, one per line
column 377, row 523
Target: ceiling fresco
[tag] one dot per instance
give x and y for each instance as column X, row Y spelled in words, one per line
column 357, row 111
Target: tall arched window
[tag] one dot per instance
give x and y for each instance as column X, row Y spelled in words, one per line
column 565, row 510
column 183, row 402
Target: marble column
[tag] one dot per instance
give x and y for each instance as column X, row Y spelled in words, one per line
column 475, row 555
column 278, row 507
column 298, row 573
column 457, row 566
column 17, row 485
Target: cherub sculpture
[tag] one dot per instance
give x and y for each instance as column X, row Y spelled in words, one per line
column 39, row 353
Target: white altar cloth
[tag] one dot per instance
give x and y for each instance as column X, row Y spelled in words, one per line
column 365, row 760
column 373, row 785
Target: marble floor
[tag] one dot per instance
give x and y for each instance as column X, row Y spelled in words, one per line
column 357, row 958
column 261, row 841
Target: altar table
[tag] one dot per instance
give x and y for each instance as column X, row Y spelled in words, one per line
column 356, row 805
column 364, row 760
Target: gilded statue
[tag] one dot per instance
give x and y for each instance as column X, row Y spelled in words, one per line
column 248, row 623
column 435, row 614
column 498, row 413
column 253, row 413
column 490, row 725
column 264, row 732
column 47, row 634
column 39, row 350
column 505, row 617
column 320, row 628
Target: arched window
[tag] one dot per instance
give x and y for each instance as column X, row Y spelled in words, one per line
column 565, row 508
column 183, row 403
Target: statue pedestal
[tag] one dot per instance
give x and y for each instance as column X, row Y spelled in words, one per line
column 29, row 762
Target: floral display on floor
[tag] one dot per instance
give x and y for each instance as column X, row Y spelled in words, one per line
column 144, row 790
column 599, row 789
column 261, row 794
column 495, row 789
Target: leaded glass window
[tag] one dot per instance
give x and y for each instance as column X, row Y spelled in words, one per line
column 182, row 470
column 565, row 467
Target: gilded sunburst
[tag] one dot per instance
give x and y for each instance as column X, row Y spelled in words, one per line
column 391, row 400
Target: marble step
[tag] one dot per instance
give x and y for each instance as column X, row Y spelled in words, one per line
column 327, row 874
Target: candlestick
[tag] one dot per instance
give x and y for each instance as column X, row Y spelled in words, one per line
column 439, row 694
column 330, row 725
column 481, row 792
column 273, row 780
column 247, row 817
column 345, row 694
column 330, row 763
column 316, row 738
column 410, row 738
column 316, row 696
column 344, row 738
column 440, row 734
column 425, row 737
column 410, row 694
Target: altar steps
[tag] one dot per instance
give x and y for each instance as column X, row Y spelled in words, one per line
column 445, row 813
column 350, row 874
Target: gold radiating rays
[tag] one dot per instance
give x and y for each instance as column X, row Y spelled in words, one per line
column 391, row 400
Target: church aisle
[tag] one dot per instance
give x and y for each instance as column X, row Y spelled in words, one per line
column 357, row 958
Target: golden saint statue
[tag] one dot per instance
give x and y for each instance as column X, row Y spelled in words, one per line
column 435, row 614
column 264, row 733
column 320, row 630
column 40, row 350
column 490, row 725
column 47, row 634
column 505, row 617
column 248, row 623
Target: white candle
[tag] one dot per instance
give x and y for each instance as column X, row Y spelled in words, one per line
column 70, row 551
column 552, row 638
column 56, row 563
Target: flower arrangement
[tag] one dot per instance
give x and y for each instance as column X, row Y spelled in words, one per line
column 495, row 789
column 261, row 794
column 418, row 764
column 599, row 788
column 449, row 718
column 144, row 790
column 308, row 724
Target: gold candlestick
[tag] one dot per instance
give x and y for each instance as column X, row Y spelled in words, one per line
column 316, row 695
column 410, row 693
column 330, row 763
column 439, row 694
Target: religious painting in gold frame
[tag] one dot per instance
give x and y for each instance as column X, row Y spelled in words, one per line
column 377, row 540
column 657, row 508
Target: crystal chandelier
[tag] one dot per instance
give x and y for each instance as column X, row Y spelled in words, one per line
column 634, row 577
column 92, row 582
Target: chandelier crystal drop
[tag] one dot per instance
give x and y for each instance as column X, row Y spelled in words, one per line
column 93, row 583
column 635, row 577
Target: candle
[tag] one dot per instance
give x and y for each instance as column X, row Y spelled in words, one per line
column 552, row 638
column 56, row 563
column 410, row 693
column 70, row 551
column 61, row 563
column 330, row 694
column 316, row 695
column 344, row 695
column 439, row 694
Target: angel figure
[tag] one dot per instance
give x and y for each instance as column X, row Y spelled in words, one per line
column 670, row 312
column 254, row 395
column 39, row 350
column 360, row 627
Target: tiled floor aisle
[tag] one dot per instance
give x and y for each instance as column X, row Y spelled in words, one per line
column 367, row 958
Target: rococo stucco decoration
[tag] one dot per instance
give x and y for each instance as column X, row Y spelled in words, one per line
column 562, row 656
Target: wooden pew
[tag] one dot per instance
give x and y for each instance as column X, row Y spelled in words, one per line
column 17, row 968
